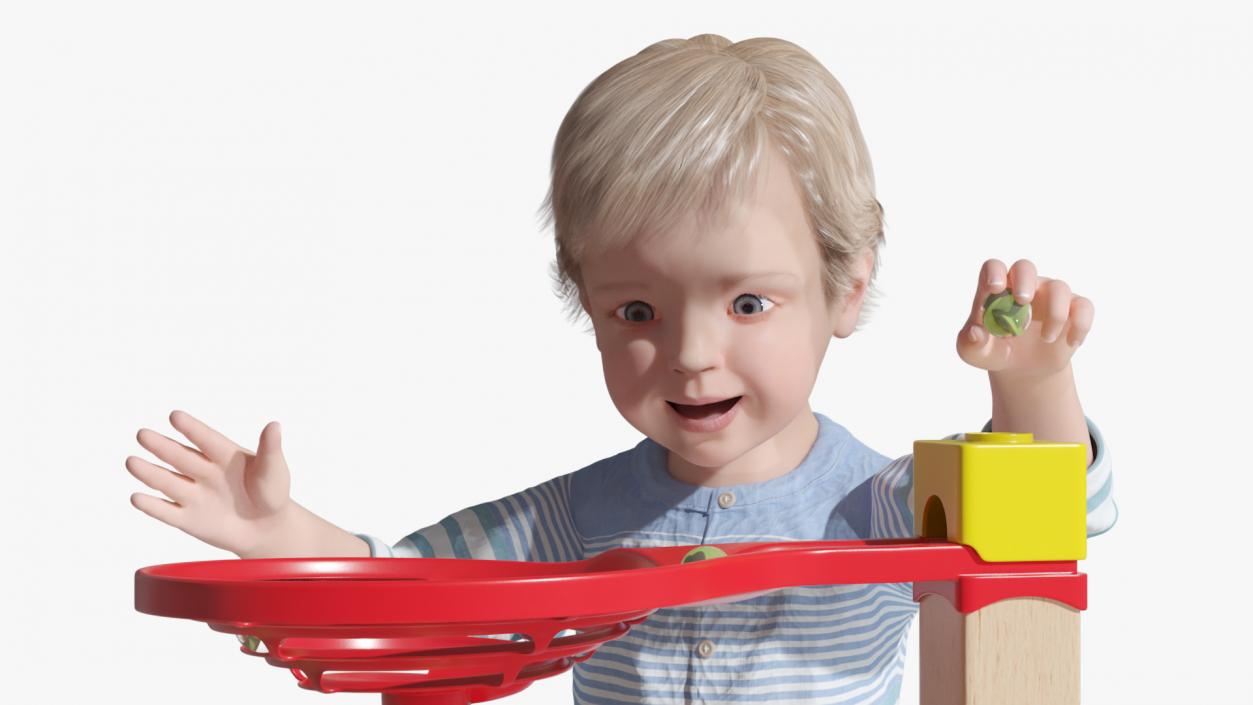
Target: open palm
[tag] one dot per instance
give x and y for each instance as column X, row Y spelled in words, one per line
column 222, row 493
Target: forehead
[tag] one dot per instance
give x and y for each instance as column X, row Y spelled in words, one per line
column 766, row 230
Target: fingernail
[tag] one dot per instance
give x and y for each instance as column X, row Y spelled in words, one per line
column 975, row 333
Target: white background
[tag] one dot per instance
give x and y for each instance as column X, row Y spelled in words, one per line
column 326, row 215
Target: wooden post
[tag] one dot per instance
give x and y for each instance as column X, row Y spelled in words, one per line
column 1019, row 651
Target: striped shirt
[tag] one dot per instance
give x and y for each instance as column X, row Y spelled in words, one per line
column 818, row 644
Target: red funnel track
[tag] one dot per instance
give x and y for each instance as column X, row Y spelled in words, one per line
column 439, row 630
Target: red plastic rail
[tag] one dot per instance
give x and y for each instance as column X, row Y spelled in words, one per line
column 438, row 631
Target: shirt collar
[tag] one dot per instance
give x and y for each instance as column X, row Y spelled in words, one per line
column 649, row 463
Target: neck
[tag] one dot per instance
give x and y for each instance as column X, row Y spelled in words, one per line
column 775, row 457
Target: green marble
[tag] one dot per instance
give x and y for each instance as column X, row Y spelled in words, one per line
column 1003, row 316
column 701, row 553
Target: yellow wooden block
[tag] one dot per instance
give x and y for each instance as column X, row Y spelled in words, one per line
column 1004, row 495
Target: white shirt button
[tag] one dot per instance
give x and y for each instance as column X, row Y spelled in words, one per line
column 726, row 499
column 705, row 648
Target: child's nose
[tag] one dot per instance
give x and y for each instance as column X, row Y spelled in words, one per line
column 694, row 346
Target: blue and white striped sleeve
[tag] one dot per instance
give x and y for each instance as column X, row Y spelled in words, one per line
column 536, row 524
column 1102, row 512
column 892, row 496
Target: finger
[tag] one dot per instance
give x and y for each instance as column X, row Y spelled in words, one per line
column 173, row 485
column 992, row 280
column 215, row 446
column 1022, row 279
column 187, row 460
column 1053, row 297
column 162, row 510
column 1082, row 311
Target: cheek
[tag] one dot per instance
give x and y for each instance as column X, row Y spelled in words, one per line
column 779, row 362
column 625, row 364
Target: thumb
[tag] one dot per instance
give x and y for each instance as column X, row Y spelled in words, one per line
column 270, row 443
column 979, row 348
column 272, row 480
column 974, row 345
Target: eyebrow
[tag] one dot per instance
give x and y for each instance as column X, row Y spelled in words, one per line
column 726, row 281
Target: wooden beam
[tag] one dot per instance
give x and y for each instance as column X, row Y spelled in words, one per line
column 1020, row 651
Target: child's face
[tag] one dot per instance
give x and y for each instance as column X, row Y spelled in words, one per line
column 674, row 322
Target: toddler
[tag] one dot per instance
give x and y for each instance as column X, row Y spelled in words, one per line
column 716, row 223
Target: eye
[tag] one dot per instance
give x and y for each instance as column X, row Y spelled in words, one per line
column 751, row 304
column 635, row 312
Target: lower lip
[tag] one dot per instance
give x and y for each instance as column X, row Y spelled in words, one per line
column 709, row 425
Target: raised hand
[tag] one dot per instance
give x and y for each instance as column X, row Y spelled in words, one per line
column 1059, row 323
column 223, row 494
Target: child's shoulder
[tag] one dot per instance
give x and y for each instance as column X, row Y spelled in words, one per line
column 625, row 471
column 847, row 451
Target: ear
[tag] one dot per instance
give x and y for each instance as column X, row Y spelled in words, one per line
column 844, row 314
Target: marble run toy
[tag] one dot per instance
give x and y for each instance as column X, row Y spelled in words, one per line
column 1008, row 498
column 994, row 571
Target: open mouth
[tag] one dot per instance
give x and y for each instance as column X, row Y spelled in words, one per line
column 705, row 411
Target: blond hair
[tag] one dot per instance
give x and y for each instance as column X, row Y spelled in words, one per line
column 684, row 122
